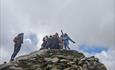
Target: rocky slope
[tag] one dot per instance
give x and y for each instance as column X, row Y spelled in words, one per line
column 54, row 60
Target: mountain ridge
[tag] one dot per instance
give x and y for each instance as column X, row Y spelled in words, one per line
column 54, row 59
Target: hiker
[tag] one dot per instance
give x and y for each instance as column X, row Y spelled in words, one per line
column 55, row 41
column 49, row 42
column 18, row 40
column 66, row 40
column 61, row 42
column 43, row 46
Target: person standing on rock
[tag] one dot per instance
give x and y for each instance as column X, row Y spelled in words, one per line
column 56, row 41
column 66, row 40
column 18, row 40
column 44, row 44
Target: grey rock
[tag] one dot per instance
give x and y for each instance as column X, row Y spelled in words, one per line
column 5, row 66
column 15, row 68
column 54, row 60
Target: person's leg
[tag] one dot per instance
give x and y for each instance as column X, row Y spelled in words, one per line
column 68, row 47
column 65, row 46
column 16, row 50
column 46, row 46
column 12, row 57
column 57, row 46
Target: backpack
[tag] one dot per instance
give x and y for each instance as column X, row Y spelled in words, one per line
column 16, row 39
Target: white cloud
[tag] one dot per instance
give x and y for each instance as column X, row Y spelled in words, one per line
column 87, row 21
column 4, row 55
column 107, row 58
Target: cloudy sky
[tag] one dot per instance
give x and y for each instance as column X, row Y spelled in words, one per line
column 91, row 23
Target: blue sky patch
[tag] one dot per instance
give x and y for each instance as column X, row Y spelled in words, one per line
column 92, row 49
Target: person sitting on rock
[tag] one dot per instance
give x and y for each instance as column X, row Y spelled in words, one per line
column 66, row 40
column 18, row 40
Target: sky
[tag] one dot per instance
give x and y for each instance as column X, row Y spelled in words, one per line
column 91, row 23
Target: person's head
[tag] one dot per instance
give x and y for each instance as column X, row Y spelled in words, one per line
column 43, row 39
column 56, row 35
column 46, row 37
column 51, row 36
column 65, row 34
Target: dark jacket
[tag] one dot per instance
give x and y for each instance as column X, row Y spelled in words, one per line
column 18, row 39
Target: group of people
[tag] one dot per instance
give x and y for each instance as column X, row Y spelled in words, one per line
column 53, row 42
column 56, row 42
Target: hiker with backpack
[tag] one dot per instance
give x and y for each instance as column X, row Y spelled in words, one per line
column 18, row 41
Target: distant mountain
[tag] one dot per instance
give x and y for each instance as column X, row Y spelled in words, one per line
column 54, row 59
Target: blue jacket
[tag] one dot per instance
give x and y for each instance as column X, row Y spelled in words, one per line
column 66, row 40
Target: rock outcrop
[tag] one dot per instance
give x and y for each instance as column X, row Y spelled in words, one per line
column 54, row 60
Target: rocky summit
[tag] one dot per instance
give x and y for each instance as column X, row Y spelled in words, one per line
column 54, row 59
